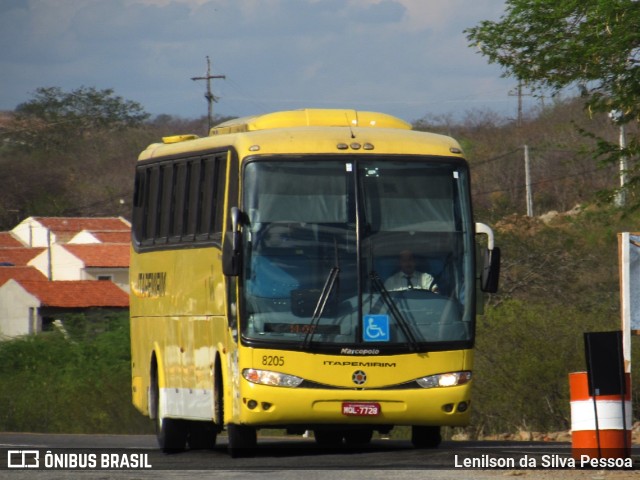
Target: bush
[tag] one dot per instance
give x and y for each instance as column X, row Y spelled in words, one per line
column 524, row 353
column 77, row 385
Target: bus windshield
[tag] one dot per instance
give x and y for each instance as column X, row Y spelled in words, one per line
column 359, row 253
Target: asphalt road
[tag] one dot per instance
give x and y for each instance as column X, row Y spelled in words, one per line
column 283, row 458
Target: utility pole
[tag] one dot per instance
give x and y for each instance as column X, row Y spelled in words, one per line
column 520, row 105
column 527, row 176
column 527, row 163
column 518, row 93
column 622, row 198
column 209, row 95
column 621, row 195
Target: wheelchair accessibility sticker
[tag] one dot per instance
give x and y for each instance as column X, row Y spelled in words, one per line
column 376, row 328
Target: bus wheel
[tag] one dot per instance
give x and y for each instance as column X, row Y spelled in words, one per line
column 242, row 440
column 202, row 435
column 170, row 432
column 425, row 437
column 328, row 438
column 358, row 437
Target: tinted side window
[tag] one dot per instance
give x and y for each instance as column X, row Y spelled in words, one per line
column 180, row 201
column 139, row 198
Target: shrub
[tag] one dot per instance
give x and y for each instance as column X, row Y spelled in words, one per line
column 524, row 353
column 77, row 385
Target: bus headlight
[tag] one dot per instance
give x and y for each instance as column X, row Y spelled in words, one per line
column 445, row 379
column 266, row 377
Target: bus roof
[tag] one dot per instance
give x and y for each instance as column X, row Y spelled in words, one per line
column 310, row 117
column 311, row 130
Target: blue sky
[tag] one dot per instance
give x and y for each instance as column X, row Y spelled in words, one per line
column 408, row 58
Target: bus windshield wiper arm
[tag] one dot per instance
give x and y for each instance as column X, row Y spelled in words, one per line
column 322, row 303
column 395, row 312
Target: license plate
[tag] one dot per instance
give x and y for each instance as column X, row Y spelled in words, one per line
column 361, row 409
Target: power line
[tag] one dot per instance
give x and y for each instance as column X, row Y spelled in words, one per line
column 493, row 159
column 541, row 182
column 486, row 161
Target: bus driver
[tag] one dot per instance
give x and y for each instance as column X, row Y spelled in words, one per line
column 408, row 277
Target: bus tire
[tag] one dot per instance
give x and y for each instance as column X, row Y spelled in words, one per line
column 170, row 432
column 361, row 436
column 328, row 438
column 218, row 398
column 202, row 435
column 242, row 440
column 425, row 436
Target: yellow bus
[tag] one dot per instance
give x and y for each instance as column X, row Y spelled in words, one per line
column 309, row 270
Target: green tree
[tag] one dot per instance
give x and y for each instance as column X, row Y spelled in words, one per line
column 593, row 45
column 71, row 153
column 54, row 118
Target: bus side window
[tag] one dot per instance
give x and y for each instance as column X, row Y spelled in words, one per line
column 139, row 203
column 151, row 205
column 181, row 201
column 205, row 198
column 181, row 198
column 211, row 197
column 166, row 204
column 191, row 207
column 220, row 185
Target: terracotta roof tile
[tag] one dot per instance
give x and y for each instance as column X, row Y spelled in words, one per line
column 8, row 240
column 20, row 273
column 101, row 254
column 19, row 256
column 77, row 224
column 111, row 236
column 66, row 227
column 77, row 294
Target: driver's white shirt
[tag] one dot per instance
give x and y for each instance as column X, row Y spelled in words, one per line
column 419, row 280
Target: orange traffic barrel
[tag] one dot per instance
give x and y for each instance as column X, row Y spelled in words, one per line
column 600, row 429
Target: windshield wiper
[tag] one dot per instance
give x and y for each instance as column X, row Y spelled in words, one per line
column 329, row 284
column 395, row 312
column 322, row 303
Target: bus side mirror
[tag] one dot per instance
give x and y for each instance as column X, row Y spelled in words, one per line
column 232, row 246
column 491, row 261
column 490, row 270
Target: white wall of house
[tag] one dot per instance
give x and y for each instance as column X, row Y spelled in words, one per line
column 18, row 311
column 32, row 233
column 119, row 276
column 84, row 237
column 64, row 265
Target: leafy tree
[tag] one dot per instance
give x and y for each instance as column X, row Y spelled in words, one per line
column 54, row 118
column 593, row 45
column 71, row 153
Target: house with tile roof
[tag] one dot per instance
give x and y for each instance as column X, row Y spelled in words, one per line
column 28, row 306
column 49, row 266
column 45, row 231
column 96, row 261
